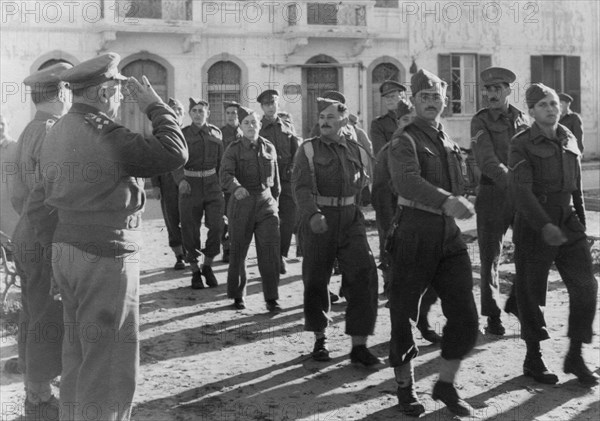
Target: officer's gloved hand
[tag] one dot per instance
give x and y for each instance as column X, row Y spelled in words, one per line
column 241, row 193
column 553, row 235
column 458, row 207
column 318, row 224
column 185, row 188
column 144, row 92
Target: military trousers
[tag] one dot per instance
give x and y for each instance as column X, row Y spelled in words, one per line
column 206, row 200
column 225, row 240
column 41, row 320
column 169, row 203
column 287, row 217
column 533, row 258
column 254, row 215
column 429, row 253
column 346, row 240
column 495, row 214
column 100, row 348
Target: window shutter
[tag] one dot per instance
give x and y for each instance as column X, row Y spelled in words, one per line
column 483, row 62
column 573, row 81
column 537, row 69
column 445, row 73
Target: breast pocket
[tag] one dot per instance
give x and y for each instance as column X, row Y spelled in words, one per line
column 268, row 162
column 357, row 171
column 211, row 157
column 571, row 168
column 431, row 165
column 546, row 164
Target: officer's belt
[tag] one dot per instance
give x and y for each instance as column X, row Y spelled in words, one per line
column 206, row 173
column 416, row 205
column 106, row 219
column 335, row 201
column 555, row 199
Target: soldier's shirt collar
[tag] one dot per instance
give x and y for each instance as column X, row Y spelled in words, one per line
column 343, row 141
column 392, row 114
column 196, row 130
column 248, row 143
column 80, row 108
column 45, row 116
column 496, row 113
column 431, row 131
column 537, row 135
column 266, row 122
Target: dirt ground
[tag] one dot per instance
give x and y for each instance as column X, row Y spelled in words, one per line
column 202, row 360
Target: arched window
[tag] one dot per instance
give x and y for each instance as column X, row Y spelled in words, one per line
column 320, row 74
column 131, row 116
column 224, row 84
column 381, row 73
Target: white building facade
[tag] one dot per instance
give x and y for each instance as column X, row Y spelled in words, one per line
column 232, row 50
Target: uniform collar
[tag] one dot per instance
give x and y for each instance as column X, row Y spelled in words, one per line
column 266, row 123
column 431, row 131
column 248, row 143
column 196, row 130
column 81, row 108
column 44, row 116
column 343, row 142
column 537, row 135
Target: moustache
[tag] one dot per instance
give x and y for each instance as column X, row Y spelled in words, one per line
column 326, row 126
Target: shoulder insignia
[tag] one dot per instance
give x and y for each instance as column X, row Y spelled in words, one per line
column 97, row 121
column 475, row 138
column 49, row 123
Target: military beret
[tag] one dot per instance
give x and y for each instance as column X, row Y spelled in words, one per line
column 404, row 107
column 47, row 78
column 267, row 96
column 496, row 75
column 243, row 112
column 323, row 103
column 197, row 101
column 335, row 95
column 228, row 104
column 424, row 79
column 172, row 102
column 389, row 86
column 565, row 97
column 94, row 71
column 536, row 92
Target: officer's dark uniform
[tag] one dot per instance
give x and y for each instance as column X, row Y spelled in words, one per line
column 383, row 127
column 41, row 320
column 545, row 182
column 206, row 198
column 340, row 176
column 230, row 134
column 94, row 184
column 254, row 167
column 491, row 131
column 281, row 134
column 428, row 251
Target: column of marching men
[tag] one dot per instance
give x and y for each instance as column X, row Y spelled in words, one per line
column 254, row 178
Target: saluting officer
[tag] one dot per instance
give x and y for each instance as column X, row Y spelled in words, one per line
column 428, row 251
column 281, row 134
column 491, row 131
column 330, row 171
column 249, row 172
column 570, row 119
column 384, row 126
column 93, row 183
column 200, row 193
column 40, row 312
column 166, row 190
column 545, row 182
column 231, row 131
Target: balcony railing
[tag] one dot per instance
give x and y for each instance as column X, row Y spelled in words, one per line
column 155, row 9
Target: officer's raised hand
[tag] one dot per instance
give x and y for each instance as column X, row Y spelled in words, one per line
column 241, row 193
column 318, row 224
column 553, row 235
column 144, row 92
column 185, row 188
column 458, row 207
